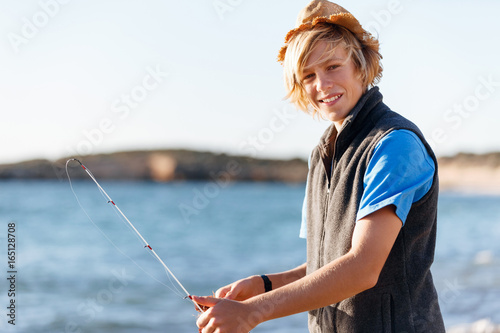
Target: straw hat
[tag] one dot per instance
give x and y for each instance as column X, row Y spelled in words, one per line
column 320, row 11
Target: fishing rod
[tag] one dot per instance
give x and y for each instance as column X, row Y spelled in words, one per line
column 134, row 229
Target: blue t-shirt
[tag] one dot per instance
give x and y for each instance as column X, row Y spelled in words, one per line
column 399, row 173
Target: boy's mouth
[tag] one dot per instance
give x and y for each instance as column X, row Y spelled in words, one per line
column 331, row 99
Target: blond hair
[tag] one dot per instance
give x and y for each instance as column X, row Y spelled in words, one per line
column 364, row 54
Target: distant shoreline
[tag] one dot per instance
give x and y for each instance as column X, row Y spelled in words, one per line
column 164, row 166
column 463, row 173
column 470, row 173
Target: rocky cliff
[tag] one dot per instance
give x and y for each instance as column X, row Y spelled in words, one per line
column 462, row 172
column 163, row 165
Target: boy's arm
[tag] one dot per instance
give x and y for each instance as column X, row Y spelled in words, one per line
column 356, row 271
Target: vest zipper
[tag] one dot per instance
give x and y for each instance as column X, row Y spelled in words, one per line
column 325, row 212
column 330, row 179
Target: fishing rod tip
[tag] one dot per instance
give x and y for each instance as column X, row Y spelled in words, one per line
column 74, row 159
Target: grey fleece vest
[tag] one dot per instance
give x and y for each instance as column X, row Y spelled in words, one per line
column 404, row 299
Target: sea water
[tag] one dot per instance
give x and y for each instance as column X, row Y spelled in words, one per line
column 85, row 270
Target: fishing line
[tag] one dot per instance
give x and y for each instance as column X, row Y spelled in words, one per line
column 176, row 291
column 132, row 227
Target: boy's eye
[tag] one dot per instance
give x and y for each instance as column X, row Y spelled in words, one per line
column 308, row 76
column 333, row 66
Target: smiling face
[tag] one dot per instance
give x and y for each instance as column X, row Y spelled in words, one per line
column 331, row 82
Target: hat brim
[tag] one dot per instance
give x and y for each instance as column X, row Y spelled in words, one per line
column 345, row 20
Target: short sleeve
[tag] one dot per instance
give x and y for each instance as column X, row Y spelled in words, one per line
column 303, row 224
column 400, row 172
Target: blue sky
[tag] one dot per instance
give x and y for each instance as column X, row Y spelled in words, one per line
column 82, row 77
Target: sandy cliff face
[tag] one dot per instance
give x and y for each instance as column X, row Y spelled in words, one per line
column 470, row 173
column 162, row 167
column 470, row 179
